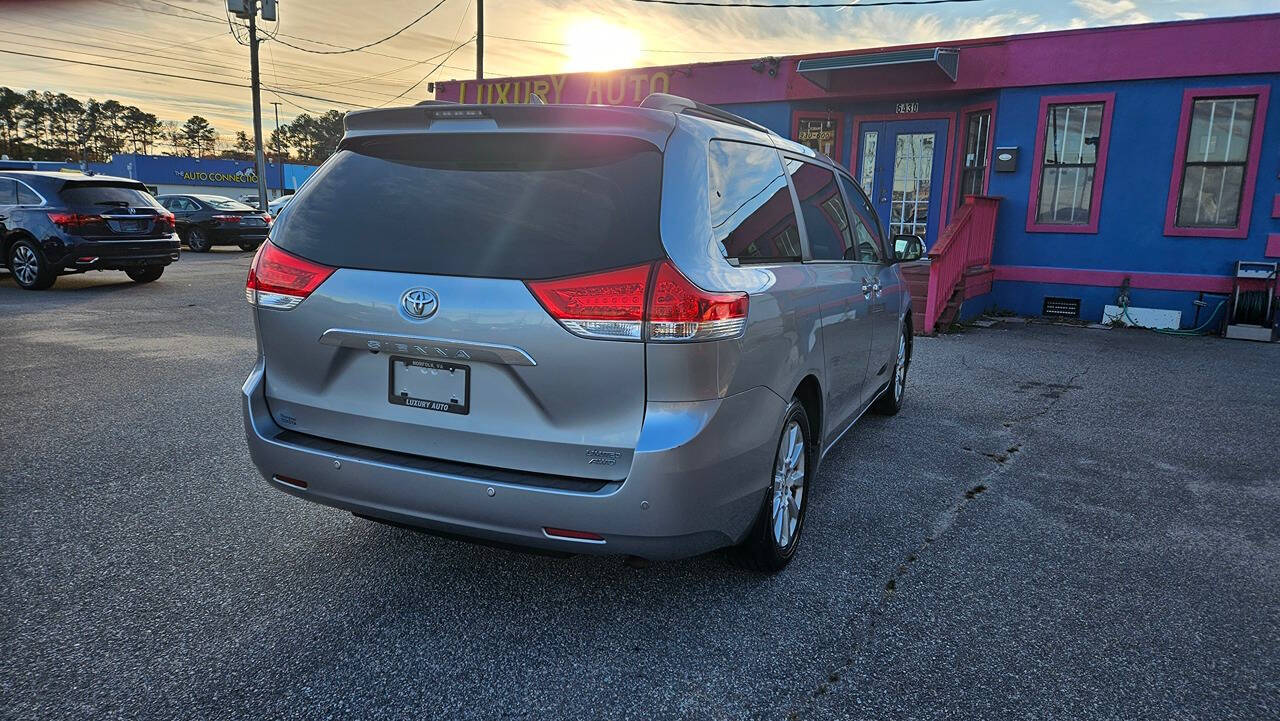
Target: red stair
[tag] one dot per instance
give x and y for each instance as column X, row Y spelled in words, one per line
column 958, row 266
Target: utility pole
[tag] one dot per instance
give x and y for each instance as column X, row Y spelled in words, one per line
column 479, row 39
column 259, row 160
column 276, row 148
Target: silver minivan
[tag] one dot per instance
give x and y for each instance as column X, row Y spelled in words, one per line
column 574, row 328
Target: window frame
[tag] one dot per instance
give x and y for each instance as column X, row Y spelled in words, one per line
column 963, row 128
column 799, row 115
column 1108, row 101
column 1251, row 163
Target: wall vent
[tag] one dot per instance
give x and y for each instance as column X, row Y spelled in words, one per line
column 1061, row 307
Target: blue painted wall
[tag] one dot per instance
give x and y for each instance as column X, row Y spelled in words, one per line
column 1130, row 237
column 155, row 169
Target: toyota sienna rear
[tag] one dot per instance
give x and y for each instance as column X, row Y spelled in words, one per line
column 574, row 328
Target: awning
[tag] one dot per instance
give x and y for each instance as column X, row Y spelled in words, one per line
column 925, row 63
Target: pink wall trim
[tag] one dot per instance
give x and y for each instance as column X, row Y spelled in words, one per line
column 1113, row 278
column 1273, row 245
column 1275, row 206
column 947, row 158
column 1189, row 96
column 1108, row 101
column 1134, row 52
column 839, row 117
column 962, row 130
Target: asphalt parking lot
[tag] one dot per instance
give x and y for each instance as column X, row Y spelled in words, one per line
column 1063, row 523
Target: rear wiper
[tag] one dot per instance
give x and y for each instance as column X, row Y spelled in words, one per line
column 115, row 203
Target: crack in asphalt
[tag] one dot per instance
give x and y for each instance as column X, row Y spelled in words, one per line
column 1003, row 462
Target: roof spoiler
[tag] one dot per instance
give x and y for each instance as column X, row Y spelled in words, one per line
column 685, row 106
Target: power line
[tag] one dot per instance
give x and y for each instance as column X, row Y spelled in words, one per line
column 772, row 6
column 189, row 10
column 643, row 50
column 433, row 70
column 178, row 77
column 366, row 45
column 360, row 94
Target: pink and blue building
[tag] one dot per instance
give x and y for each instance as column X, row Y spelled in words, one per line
column 1067, row 164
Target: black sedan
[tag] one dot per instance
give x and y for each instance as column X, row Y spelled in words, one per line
column 208, row 220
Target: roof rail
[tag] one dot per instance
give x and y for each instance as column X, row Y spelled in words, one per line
column 685, row 106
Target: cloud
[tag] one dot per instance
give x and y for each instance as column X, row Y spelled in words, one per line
column 1113, row 11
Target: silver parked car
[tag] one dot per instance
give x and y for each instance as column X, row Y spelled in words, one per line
column 576, row 328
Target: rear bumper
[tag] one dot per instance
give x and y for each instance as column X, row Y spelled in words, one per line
column 695, row 484
column 236, row 235
column 119, row 255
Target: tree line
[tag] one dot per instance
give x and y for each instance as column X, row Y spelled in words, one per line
column 55, row 126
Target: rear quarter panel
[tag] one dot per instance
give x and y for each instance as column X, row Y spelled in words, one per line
column 781, row 344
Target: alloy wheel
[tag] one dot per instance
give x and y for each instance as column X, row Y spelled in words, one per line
column 788, row 485
column 25, row 265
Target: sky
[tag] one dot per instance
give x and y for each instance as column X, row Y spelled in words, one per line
column 192, row 38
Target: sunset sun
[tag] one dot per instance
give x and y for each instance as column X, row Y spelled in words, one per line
column 600, row 45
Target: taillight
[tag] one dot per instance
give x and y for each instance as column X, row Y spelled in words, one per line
column 680, row 310
column 612, row 305
column 227, row 218
column 73, row 221
column 266, row 218
column 282, row 280
column 165, row 221
column 600, row 305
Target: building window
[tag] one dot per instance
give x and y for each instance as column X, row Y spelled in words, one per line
column 1215, row 162
column 1071, row 153
column 819, row 132
column 870, row 139
column 1070, row 159
column 977, row 154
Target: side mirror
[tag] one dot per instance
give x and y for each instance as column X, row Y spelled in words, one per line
column 907, row 248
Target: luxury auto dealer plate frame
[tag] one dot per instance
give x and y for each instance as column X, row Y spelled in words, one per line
column 419, row 383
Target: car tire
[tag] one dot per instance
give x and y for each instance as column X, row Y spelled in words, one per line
column 772, row 541
column 198, row 239
column 890, row 400
column 145, row 274
column 250, row 246
column 29, row 267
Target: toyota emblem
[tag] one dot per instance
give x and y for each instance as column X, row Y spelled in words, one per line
column 419, row 303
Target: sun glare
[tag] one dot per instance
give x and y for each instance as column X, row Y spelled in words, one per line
column 599, row 45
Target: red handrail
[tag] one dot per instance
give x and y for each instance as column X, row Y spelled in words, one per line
column 965, row 243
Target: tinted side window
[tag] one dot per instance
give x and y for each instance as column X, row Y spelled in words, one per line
column 27, row 196
column 866, row 228
column 8, row 192
column 825, row 220
column 752, row 215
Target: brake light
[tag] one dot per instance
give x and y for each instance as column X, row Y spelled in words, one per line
column 227, row 218
column 612, row 305
column 68, row 221
column 165, row 221
column 600, row 305
column 282, row 280
column 680, row 310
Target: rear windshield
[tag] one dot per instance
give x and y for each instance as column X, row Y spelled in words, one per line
column 105, row 195
column 224, row 203
column 504, row 206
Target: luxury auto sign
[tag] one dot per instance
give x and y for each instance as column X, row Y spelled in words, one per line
column 600, row 89
column 244, row 177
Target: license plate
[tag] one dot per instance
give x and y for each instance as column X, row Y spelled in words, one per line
column 430, row 385
column 254, row 221
column 130, row 226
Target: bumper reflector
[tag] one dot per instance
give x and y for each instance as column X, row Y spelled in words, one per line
column 567, row 534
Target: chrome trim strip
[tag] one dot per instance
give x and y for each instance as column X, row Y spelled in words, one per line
column 428, row 347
